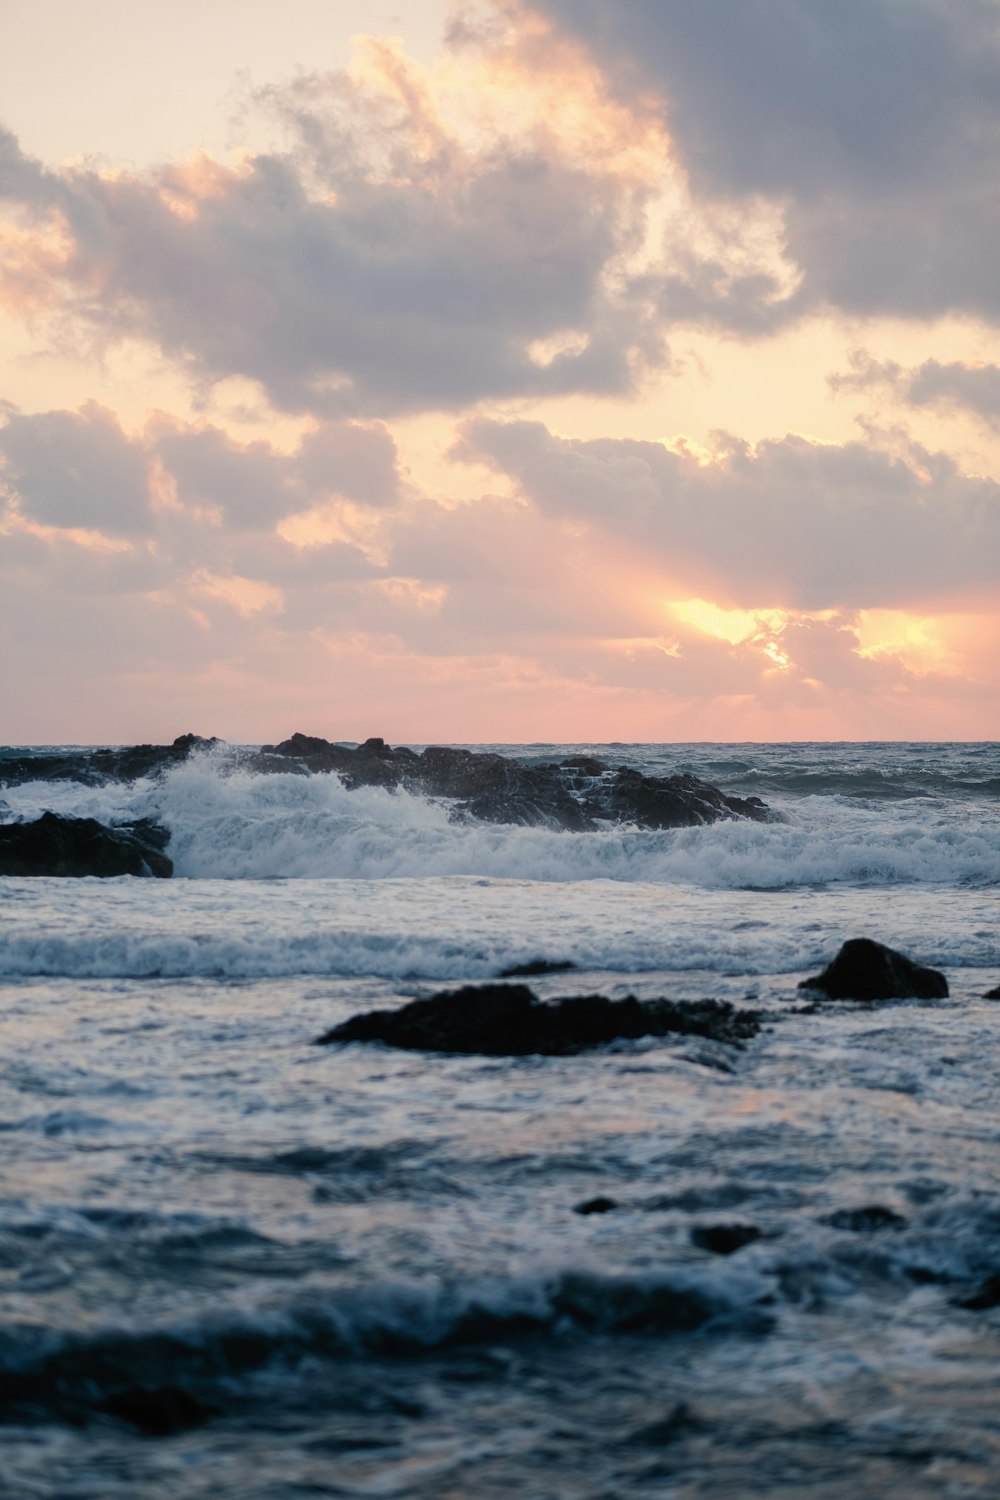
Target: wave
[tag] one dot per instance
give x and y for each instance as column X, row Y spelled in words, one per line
column 228, row 823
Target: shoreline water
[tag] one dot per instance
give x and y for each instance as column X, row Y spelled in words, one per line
column 233, row 1263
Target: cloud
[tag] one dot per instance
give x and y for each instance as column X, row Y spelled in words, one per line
column 873, row 125
column 790, row 523
column 951, row 386
column 379, row 262
column 76, row 469
column 80, row 470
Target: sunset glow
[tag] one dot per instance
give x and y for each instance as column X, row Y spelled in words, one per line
column 354, row 384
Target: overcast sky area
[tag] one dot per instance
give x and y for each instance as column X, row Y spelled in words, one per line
column 524, row 370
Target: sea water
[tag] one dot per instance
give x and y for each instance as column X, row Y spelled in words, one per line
column 236, row 1264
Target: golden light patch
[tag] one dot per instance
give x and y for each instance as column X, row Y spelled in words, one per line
column 412, row 594
column 732, row 625
column 248, row 596
column 914, row 640
column 336, row 520
column 32, row 260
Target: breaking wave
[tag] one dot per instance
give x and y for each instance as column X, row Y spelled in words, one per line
column 228, row 823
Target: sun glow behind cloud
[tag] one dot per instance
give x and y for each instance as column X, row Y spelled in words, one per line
column 392, row 371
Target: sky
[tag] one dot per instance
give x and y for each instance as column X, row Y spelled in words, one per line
column 521, row 370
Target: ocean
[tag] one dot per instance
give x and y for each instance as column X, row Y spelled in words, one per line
column 235, row 1264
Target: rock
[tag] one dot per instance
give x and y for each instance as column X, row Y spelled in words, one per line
column 992, row 994
column 985, row 1297
column 866, row 970
column 865, row 1220
column 595, row 1206
column 724, row 1239
column 54, row 845
column 94, row 767
column 508, row 1020
column 536, row 967
column 578, row 793
column 678, row 1424
column 159, row 1411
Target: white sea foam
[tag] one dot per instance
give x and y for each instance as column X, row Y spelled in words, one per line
column 233, row 824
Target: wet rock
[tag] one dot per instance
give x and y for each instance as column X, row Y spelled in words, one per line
column 578, row 793
column 159, row 1411
column 670, row 1429
column 865, row 1220
column 724, row 1239
column 866, row 970
column 985, row 1297
column 508, row 1020
column 57, row 846
column 536, row 967
column 95, row 767
column 992, row 994
column 597, row 1205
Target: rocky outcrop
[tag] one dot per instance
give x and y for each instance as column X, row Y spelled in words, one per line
column 579, row 794
column 54, row 845
column 866, row 970
column 95, row 767
column 508, row 1020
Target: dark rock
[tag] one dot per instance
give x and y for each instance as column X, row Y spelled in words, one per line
column 866, row 970
column 508, row 1020
column 986, row 1296
column 595, row 1206
column 536, row 967
column 159, row 1411
column 992, row 994
column 865, row 1220
column 677, row 1424
column 54, row 845
column 95, row 767
column 576, row 794
column 724, row 1239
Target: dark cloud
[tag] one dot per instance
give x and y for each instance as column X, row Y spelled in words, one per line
column 875, row 124
column 360, row 270
column 954, row 386
column 76, row 469
column 79, row 469
column 790, row 523
column 255, row 485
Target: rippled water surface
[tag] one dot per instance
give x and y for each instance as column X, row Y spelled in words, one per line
column 236, row 1264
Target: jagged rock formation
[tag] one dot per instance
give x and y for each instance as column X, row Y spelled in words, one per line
column 508, row 1020
column 866, row 970
column 578, row 794
column 95, row 767
column 54, row 845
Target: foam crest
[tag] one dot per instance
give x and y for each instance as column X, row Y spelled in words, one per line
column 230, row 823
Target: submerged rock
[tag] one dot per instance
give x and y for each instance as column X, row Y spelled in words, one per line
column 985, row 1297
column 992, row 994
column 54, row 845
column 508, row 1020
column 724, row 1239
column 599, row 1205
column 536, row 967
column 159, row 1411
column 866, row 970
column 867, row 1220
